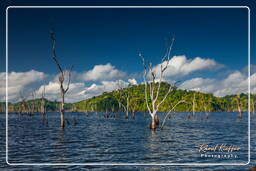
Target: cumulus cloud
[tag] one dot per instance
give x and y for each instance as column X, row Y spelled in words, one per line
column 252, row 68
column 104, row 86
column 102, row 72
column 132, row 81
column 79, row 91
column 181, row 66
column 234, row 83
column 52, row 91
column 19, row 82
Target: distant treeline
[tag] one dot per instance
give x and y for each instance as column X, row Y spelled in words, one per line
column 135, row 97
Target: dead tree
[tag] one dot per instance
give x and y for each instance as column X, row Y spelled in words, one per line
column 152, row 86
column 238, row 101
column 133, row 105
column 205, row 109
column 43, row 105
column 123, row 99
column 192, row 115
column 24, row 107
column 33, row 94
column 63, row 90
column 169, row 112
column 194, row 104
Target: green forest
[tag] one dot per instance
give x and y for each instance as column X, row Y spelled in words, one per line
column 135, row 97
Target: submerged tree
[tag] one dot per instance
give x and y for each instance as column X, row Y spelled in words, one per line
column 43, row 105
column 123, row 97
column 33, row 94
column 63, row 90
column 152, row 83
column 238, row 101
column 206, row 108
column 23, row 107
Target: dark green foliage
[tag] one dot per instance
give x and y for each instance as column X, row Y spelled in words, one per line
column 50, row 106
column 108, row 101
column 203, row 102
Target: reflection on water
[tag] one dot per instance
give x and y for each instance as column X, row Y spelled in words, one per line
column 94, row 138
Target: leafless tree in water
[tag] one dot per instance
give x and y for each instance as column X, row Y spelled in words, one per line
column 63, row 90
column 152, row 86
column 123, row 98
column 32, row 110
column 24, row 107
column 43, row 101
column 238, row 102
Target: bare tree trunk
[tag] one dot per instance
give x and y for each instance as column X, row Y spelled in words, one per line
column 61, row 80
column 206, row 112
column 253, row 106
column 194, row 99
column 181, row 101
column 152, row 87
column 33, row 102
column 127, row 107
column 133, row 114
column 43, row 111
column 153, row 122
column 123, row 99
column 62, row 111
column 239, row 106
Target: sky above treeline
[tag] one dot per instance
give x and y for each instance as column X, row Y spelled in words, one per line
column 210, row 52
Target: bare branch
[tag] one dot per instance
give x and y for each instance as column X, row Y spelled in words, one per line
column 181, row 101
column 168, row 92
column 54, row 56
column 145, row 81
column 69, row 77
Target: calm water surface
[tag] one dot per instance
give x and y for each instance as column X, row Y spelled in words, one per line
column 95, row 139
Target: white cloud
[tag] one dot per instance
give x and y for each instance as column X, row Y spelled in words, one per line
column 104, row 86
column 19, row 82
column 132, row 81
column 79, row 91
column 102, row 72
column 181, row 66
column 252, row 69
column 235, row 82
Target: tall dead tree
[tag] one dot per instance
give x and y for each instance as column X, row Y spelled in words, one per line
column 33, row 94
column 152, row 86
column 63, row 90
column 194, row 104
column 205, row 108
column 123, row 99
column 24, row 107
column 238, row 101
column 43, row 105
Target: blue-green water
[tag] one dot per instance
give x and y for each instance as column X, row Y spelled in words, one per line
column 95, row 139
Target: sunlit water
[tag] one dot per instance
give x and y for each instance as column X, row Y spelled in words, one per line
column 95, row 139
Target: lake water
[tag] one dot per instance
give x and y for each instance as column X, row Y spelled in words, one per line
column 95, row 139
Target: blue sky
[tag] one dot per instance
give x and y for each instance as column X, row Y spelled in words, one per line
column 96, row 36
column 211, row 43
